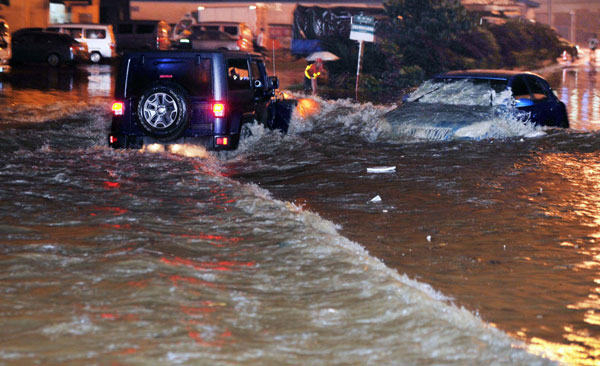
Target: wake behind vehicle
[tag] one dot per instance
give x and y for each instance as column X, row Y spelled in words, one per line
column 200, row 97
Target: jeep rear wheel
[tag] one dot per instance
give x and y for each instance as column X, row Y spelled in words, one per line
column 163, row 111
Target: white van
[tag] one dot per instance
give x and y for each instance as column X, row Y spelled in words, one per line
column 99, row 38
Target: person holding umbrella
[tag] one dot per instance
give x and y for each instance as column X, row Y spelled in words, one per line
column 311, row 73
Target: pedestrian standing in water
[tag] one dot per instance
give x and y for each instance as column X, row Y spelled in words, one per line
column 311, row 73
column 593, row 43
column 260, row 41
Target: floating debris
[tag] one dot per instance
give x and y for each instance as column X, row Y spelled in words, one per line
column 382, row 169
column 375, row 199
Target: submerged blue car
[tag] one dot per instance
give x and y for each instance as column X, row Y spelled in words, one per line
column 477, row 104
column 532, row 93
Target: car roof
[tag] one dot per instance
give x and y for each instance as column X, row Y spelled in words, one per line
column 220, row 23
column 483, row 74
column 23, row 32
column 174, row 53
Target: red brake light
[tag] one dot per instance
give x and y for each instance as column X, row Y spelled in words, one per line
column 118, row 108
column 219, row 110
column 112, row 139
column 224, row 141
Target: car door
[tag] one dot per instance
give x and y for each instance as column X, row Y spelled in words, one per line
column 240, row 93
column 545, row 110
column 261, row 91
column 522, row 95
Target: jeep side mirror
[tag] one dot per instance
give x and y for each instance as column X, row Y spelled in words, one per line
column 273, row 82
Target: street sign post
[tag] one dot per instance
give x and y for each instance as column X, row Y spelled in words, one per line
column 362, row 30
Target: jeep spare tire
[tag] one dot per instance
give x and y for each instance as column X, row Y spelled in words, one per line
column 162, row 112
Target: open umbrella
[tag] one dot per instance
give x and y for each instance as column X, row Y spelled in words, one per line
column 323, row 55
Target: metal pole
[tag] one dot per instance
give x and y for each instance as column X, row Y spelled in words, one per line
column 360, row 51
column 573, row 27
column 274, row 57
column 550, row 13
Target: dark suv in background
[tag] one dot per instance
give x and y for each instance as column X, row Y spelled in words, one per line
column 199, row 97
column 33, row 45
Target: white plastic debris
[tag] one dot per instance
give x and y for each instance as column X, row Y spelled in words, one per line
column 381, row 169
column 375, row 199
column 429, row 238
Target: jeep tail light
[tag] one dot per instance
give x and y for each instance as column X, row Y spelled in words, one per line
column 112, row 139
column 218, row 110
column 118, row 108
column 222, row 141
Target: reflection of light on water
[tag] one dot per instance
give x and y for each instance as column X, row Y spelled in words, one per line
column 585, row 106
column 581, row 205
column 580, row 92
column 569, row 354
column 574, row 104
column 99, row 80
column 307, row 107
column 584, row 174
column 154, row 148
column 191, row 151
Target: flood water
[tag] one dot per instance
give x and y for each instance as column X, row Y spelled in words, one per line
column 480, row 251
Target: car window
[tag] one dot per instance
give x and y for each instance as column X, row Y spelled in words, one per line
column 238, row 76
column 539, row 89
column 95, row 33
column 211, row 27
column 52, row 29
column 204, row 75
column 223, row 36
column 519, row 88
column 74, row 32
column 231, row 30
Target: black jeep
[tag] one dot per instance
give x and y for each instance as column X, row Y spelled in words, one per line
column 201, row 97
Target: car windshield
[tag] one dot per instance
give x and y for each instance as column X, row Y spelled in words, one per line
column 482, row 92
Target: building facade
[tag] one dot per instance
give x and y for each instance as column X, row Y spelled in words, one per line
column 39, row 13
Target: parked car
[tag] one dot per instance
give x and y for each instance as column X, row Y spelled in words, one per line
column 38, row 46
column 137, row 35
column 99, row 38
column 531, row 93
column 199, row 39
column 239, row 30
column 201, row 97
column 5, row 41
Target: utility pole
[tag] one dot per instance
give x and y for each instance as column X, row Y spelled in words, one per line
column 550, row 13
column 573, row 32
